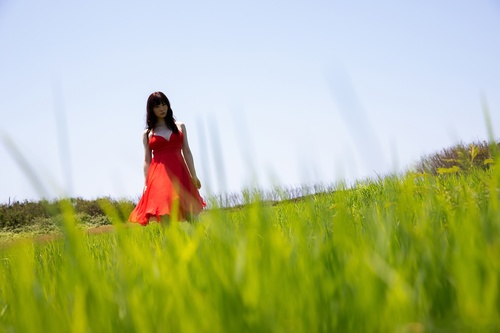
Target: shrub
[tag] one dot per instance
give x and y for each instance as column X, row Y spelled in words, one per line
column 90, row 207
column 15, row 215
column 459, row 158
column 18, row 213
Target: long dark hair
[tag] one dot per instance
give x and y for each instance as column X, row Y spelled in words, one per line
column 156, row 99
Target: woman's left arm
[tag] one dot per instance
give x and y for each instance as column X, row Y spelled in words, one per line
column 188, row 156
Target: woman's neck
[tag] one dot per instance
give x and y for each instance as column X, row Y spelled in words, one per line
column 160, row 122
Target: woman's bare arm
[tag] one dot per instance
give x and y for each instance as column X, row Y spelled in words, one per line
column 147, row 154
column 188, row 156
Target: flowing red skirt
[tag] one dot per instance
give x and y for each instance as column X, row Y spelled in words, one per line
column 169, row 186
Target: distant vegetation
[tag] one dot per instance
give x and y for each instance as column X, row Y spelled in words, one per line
column 459, row 158
column 45, row 216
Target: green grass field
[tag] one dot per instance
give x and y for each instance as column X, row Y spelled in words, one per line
column 409, row 253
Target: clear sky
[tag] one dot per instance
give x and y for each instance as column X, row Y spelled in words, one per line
column 272, row 92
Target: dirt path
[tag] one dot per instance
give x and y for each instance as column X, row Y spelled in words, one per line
column 44, row 238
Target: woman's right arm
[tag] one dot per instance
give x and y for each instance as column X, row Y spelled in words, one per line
column 147, row 154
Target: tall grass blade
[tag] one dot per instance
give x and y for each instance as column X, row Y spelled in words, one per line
column 24, row 165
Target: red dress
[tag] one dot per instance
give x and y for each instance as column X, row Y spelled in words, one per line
column 168, row 183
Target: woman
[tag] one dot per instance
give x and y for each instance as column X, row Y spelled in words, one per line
column 171, row 184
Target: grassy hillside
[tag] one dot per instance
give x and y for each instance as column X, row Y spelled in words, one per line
column 401, row 254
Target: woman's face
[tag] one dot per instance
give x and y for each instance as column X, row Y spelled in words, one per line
column 160, row 110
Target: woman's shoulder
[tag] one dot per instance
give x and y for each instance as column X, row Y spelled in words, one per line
column 146, row 134
column 180, row 125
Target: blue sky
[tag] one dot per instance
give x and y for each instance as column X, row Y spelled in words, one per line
column 271, row 92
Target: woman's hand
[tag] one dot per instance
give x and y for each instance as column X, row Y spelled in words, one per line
column 196, row 182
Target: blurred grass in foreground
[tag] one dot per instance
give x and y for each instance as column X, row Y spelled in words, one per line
column 408, row 253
